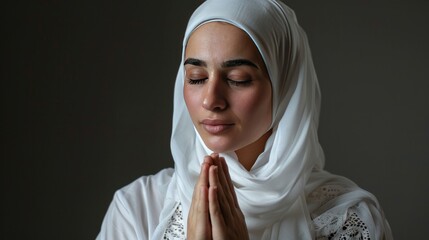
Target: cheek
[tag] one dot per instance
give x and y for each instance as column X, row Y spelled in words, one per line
column 191, row 100
column 256, row 107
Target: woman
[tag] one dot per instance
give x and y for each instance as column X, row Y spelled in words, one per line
column 248, row 164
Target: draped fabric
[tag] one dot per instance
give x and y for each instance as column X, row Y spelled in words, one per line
column 273, row 194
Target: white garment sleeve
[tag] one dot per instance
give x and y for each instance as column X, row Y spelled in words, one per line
column 134, row 211
column 118, row 222
column 340, row 214
column 361, row 221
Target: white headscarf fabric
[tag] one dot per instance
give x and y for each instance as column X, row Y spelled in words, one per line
column 272, row 194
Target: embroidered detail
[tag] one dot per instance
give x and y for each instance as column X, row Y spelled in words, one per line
column 325, row 193
column 175, row 228
column 331, row 226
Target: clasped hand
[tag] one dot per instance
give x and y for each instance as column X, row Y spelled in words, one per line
column 214, row 212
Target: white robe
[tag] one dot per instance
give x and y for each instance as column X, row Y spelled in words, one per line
column 135, row 211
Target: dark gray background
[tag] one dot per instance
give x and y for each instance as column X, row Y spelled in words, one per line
column 87, row 105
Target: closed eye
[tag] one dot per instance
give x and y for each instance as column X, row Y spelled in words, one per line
column 239, row 83
column 197, row 81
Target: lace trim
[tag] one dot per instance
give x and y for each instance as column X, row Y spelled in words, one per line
column 325, row 193
column 175, row 228
column 339, row 227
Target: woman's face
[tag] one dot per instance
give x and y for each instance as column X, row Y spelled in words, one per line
column 227, row 89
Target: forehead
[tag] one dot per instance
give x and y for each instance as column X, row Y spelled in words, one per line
column 214, row 27
column 219, row 37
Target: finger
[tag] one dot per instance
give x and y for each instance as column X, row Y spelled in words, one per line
column 226, row 182
column 209, row 159
column 201, row 182
column 202, row 199
column 198, row 218
column 203, row 179
column 203, row 208
column 216, row 162
column 202, row 188
column 224, row 179
column 229, row 180
column 215, row 158
column 216, row 214
column 222, row 192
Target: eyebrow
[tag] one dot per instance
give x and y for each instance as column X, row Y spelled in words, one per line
column 195, row 62
column 239, row 62
column 226, row 64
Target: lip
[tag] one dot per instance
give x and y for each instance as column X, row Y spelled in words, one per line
column 216, row 126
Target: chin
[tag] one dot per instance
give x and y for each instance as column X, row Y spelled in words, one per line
column 218, row 147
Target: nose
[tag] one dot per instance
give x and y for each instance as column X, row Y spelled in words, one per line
column 214, row 96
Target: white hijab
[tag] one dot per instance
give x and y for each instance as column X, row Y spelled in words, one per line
column 272, row 194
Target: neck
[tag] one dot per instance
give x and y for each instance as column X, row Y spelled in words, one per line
column 247, row 155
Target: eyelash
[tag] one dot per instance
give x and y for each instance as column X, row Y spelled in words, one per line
column 231, row 82
column 197, row 81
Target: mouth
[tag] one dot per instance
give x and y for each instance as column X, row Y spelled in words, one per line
column 214, row 126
